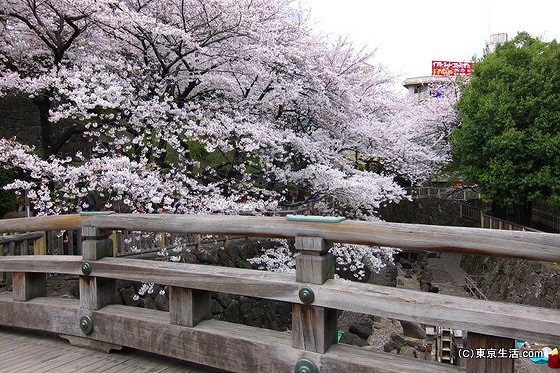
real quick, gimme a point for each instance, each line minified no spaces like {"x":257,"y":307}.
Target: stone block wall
{"x":20,"y":117}
{"x":516,"y":280}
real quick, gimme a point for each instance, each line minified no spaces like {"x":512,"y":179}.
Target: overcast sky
{"x":409,"y":34}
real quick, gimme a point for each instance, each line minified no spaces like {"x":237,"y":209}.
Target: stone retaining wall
{"x":515,"y":280}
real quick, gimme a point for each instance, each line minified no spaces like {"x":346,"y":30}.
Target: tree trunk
{"x":523,"y":212}
{"x":499,"y":211}
{"x":44,"y":106}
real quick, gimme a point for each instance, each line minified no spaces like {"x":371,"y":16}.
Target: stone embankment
{"x":387,"y":335}
{"x":515,"y":280}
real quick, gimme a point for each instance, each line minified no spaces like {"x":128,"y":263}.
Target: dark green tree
{"x":509,"y":139}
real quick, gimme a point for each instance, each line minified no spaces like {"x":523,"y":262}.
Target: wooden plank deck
{"x":26,"y":351}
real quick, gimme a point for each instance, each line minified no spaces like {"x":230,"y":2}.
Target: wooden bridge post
{"x":188,"y":307}
{"x":25,"y":285}
{"x":28,"y":285}
{"x":498,"y":364}
{"x":313,"y":328}
{"x":40,"y":245}
{"x":96,"y":292}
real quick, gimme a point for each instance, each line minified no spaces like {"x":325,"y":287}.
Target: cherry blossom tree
{"x":201,"y":106}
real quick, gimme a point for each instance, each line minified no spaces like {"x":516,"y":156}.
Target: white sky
{"x":409,"y":34}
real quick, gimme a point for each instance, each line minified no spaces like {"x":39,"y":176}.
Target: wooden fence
{"x":551,"y":221}
{"x":540,"y":217}
{"x":476,"y":214}
{"x":186,"y":331}
{"x":456,"y":193}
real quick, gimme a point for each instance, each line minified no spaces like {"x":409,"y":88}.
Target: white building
{"x":493,"y":41}
{"x":423,"y":87}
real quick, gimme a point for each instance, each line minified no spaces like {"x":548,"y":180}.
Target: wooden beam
{"x":212,"y":343}
{"x":313,"y":328}
{"x":314,"y":264}
{"x":97,"y":292}
{"x":20,"y":237}
{"x":42,"y":263}
{"x":515,"y":244}
{"x":487,"y":317}
{"x":96,"y":243}
{"x":40,"y":246}
{"x":49,"y":314}
{"x":314,"y":269}
{"x":43,"y":223}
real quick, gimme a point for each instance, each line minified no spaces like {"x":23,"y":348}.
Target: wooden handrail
{"x":515,"y":244}
{"x":20,"y":237}
{"x":496,"y":318}
{"x":313,"y":319}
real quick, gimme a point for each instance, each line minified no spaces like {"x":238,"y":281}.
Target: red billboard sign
{"x":451,"y":68}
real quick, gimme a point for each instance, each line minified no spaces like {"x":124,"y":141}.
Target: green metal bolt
{"x":86,"y":268}
{"x":306,"y":366}
{"x":306,"y":295}
{"x":86,"y":324}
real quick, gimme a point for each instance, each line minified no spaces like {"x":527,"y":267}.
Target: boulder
{"x":413,"y":330}
{"x":350,"y":338}
{"x":363,"y":328}
{"x":161,"y":301}
{"x":206,"y":256}
{"x":408,"y":351}
{"x":389,"y":346}
{"x":233,"y":312}
{"x":128,"y":296}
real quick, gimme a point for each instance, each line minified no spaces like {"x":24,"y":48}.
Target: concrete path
{"x":448,"y":276}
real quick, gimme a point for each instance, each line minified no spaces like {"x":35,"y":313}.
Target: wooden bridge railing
{"x":186,"y":331}
{"x":13,"y":244}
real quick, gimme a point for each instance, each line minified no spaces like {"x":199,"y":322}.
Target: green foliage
{"x":509,"y":140}
{"x":239,"y":262}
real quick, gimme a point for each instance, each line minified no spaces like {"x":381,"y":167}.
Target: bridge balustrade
{"x":96,"y":320}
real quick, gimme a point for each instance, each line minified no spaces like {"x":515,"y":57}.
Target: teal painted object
{"x":315,"y":218}
{"x":89,"y":213}
{"x":536,"y":360}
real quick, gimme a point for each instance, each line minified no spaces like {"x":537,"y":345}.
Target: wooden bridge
{"x":186,"y":332}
